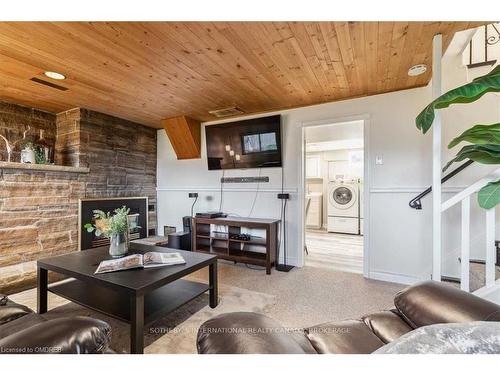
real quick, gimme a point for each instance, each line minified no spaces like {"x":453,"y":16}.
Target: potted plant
{"x":114,"y":227}
{"x":484,"y":140}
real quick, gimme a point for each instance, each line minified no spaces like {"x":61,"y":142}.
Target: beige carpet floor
{"x":309,"y":295}
{"x":300,"y":298}
{"x":173,"y":334}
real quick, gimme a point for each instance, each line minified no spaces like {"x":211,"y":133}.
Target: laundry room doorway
{"x":334,"y":196}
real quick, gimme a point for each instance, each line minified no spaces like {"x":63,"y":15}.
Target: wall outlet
{"x":379,"y":160}
{"x":283,"y":196}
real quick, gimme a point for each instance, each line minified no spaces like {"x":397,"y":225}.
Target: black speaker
{"x":186,"y":223}
{"x":180,"y":240}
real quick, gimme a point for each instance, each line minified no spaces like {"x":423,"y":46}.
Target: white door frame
{"x":366,"y":191}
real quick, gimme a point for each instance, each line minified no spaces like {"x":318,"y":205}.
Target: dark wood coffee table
{"x":138,"y":296}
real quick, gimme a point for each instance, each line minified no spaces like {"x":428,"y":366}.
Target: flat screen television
{"x":254,"y":143}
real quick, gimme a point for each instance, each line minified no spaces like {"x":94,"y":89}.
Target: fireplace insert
{"x":138,"y":217}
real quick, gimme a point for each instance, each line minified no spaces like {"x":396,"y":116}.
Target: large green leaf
{"x":479,"y":134}
{"x":489,"y":196}
{"x":464,"y":94}
{"x":484,"y":154}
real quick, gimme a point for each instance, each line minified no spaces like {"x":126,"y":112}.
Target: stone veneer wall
{"x":38,"y":218}
{"x":121,"y":154}
{"x":39,"y":209}
{"x":14,"y":120}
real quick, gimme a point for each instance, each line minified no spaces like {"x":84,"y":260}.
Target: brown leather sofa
{"x":416,"y":306}
{"x":24,"y":331}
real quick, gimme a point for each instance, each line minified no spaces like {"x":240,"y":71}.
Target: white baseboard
{"x":394,"y":278}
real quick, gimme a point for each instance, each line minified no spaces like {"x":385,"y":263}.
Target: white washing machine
{"x":343,"y":206}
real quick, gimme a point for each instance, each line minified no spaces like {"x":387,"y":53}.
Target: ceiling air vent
{"x":50,"y":84}
{"x":226,"y":112}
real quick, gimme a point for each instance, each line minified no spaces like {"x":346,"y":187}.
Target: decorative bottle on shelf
{"x":46,"y":150}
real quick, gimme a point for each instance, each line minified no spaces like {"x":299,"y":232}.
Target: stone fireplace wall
{"x":121,"y":154}
{"x":38,"y":218}
{"x":15,"y":119}
{"x":106,"y":156}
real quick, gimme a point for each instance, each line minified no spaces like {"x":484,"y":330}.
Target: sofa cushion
{"x":249,"y":333}
{"x":19,"y":324}
{"x":346,"y":337}
{"x":432,"y":302}
{"x":387,"y":325}
{"x":75,"y":335}
{"x":11,"y":311}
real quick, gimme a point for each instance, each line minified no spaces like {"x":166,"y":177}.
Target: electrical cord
{"x":256,"y":194}
{"x":233,"y":214}
{"x":255,"y":268}
{"x":281,"y":216}
{"x":284,"y":232}
{"x":192,"y":206}
{"x":221,"y":191}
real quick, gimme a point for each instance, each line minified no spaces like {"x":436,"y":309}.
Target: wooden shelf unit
{"x":205,"y":240}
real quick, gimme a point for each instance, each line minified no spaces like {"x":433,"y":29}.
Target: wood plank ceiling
{"x":148,"y":71}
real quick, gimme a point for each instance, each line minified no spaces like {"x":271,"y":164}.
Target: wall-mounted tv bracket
{"x":241,"y":180}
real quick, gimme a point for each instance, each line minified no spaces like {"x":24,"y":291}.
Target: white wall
{"x":400,"y":237}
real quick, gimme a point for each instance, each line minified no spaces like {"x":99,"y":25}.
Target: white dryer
{"x":343,"y":206}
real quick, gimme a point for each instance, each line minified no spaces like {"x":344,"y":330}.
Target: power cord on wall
{"x":192,"y":206}
{"x":221,"y":190}
{"x":284,"y":197}
{"x":256,"y":194}
{"x":280,"y":231}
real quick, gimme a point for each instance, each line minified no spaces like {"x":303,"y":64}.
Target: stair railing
{"x":416,"y":202}
{"x":464,"y":197}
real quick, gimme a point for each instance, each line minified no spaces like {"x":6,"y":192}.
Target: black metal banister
{"x":415,"y":202}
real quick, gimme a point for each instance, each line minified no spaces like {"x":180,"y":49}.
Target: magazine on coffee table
{"x":148,"y":260}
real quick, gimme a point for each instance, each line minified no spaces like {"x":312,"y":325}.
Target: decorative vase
{"x":118,"y":245}
{"x":28,"y":156}
{"x":46,"y":150}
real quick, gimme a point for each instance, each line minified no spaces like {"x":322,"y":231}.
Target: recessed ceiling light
{"x":416,"y":70}
{"x":55,"y":75}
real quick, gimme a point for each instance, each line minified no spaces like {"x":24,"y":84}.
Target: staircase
{"x":477,"y":276}
{"x":481,"y":278}
{"x":464,"y":199}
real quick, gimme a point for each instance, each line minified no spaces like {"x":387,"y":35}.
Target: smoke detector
{"x":417,"y":70}
{"x":226,"y":112}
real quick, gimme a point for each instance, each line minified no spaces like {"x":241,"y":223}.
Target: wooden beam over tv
{"x":185,"y":136}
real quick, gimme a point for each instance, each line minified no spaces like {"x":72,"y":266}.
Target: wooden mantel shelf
{"x":43,"y":167}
